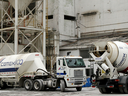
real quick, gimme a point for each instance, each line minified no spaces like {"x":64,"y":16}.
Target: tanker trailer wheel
{"x":28,"y":84}
{"x":43,"y":86}
{"x":105,"y":90}
{"x":3,"y":85}
{"x":38,"y":85}
{"x":62,"y":85}
{"x":78,"y":88}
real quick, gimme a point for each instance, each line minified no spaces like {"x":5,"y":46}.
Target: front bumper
{"x":76,"y":82}
{"x":106,"y":83}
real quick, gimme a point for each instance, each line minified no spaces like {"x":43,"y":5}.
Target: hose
{"x":47,"y":73}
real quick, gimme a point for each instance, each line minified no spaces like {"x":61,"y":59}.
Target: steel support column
{"x":16,"y":27}
{"x":44,"y":34}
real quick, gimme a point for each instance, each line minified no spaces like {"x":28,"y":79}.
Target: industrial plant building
{"x":58,"y":27}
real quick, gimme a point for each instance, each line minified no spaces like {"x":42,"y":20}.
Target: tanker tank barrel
{"x":115,"y":51}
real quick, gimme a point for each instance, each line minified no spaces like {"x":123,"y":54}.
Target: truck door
{"x":61,"y":67}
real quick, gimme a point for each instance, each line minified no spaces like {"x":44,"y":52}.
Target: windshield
{"x":75,"y":62}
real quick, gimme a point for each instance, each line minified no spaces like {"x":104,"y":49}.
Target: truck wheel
{"x":28,"y":84}
{"x":126,"y":89}
{"x":121,"y":90}
{"x":101,"y":90}
{"x":105,"y":90}
{"x":62,"y":85}
{"x":78,"y":88}
{"x":43,"y":86}
{"x":37,"y":85}
{"x":3,"y":85}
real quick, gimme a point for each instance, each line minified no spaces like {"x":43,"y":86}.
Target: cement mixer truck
{"x":111,"y":63}
{"x":29,"y":71}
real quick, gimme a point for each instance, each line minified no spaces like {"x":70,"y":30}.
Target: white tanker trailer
{"x":28,"y":71}
{"x":111,"y":59}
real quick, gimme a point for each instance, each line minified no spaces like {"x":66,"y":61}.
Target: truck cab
{"x":71,"y":72}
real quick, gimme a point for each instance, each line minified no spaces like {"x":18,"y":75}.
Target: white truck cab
{"x":71,"y":72}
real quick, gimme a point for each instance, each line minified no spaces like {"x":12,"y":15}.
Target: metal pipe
{"x":44,"y":33}
{"x":1,"y":21}
{"x":51,"y":65}
{"x":16,"y":26}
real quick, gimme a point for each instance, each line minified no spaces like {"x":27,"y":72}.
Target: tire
{"x":121,"y":90}
{"x":38,"y":85}
{"x":105,"y":90}
{"x":101,"y":90}
{"x":28,"y":84}
{"x":43,"y":86}
{"x":78,"y":88}
{"x":62,"y":85}
{"x":3,"y":85}
{"x":125,"y":89}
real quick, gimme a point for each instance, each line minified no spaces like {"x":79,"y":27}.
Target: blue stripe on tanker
{"x":9,"y":70}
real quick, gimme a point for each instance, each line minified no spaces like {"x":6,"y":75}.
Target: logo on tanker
{"x":98,"y":58}
{"x":123,"y":60}
{"x":11,"y":63}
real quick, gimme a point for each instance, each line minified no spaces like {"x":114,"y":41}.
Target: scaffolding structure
{"x":19,"y":25}
{"x":22,"y":32}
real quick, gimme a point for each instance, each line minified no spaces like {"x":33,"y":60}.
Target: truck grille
{"x":78,"y":73}
{"x":78,"y":83}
